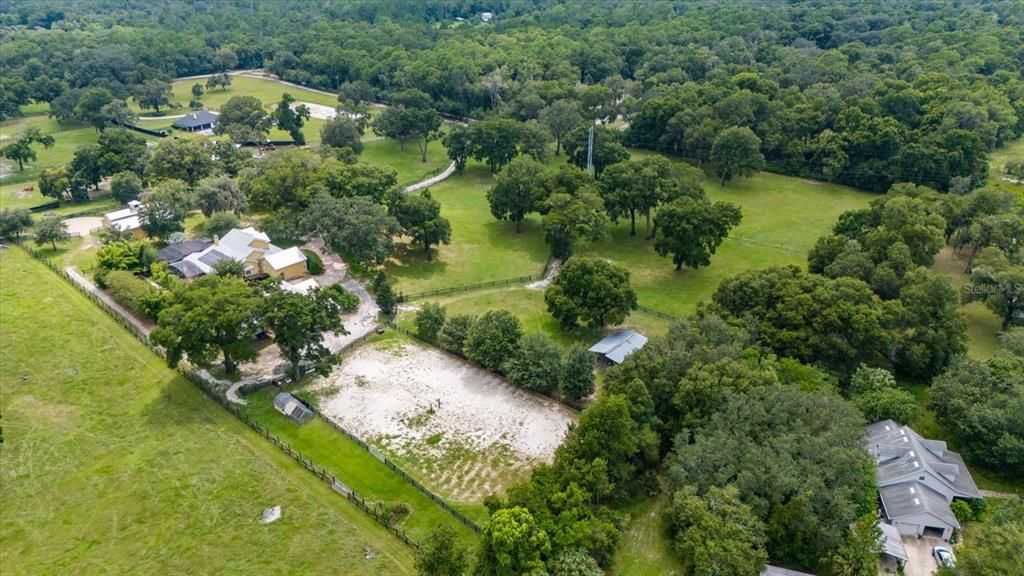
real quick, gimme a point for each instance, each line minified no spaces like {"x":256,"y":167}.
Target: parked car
{"x":944,"y":556}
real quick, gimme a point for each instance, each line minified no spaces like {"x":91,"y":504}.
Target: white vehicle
{"x":944,"y":556}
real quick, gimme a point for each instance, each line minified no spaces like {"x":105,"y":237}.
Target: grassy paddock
{"x":528,"y":305}
{"x":354,"y":466}
{"x":782,"y":218}
{"x":645,"y":547}
{"x":113,"y":463}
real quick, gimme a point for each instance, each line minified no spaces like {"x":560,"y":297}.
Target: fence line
{"x":465,"y":288}
{"x":662,"y":315}
{"x":210,"y":391}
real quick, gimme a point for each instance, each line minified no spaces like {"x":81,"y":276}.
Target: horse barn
{"x":197,"y":121}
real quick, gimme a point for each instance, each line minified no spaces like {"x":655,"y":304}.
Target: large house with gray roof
{"x":917,"y":479}
{"x":247,"y":246}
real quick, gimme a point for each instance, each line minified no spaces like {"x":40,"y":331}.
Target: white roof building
{"x":284,"y":258}
{"x":125,"y":219}
{"x":304,"y":287}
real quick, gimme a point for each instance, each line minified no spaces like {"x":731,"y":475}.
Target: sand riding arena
{"x":464,"y":431}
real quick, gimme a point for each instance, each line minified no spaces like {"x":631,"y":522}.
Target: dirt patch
{"x":322,"y":112}
{"x":84,"y":225}
{"x":466,"y":431}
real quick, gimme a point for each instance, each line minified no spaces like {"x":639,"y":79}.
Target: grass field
{"x":528,"y":305}
{"x":354,"y":466}
{"x":67,"y":139}
{"x":482,"y":248}
{"x":113,"y":464}
{"x":645,"y":546}
{"x":782,"y":218}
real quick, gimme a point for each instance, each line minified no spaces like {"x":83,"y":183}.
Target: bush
{"x":347,"y":300}
{"x":195,"y":104}
{"x":313,"y":262}
{"x":134,"y":293}
{"x":430,"y":321}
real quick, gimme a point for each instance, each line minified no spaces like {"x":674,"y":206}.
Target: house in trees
{"x":290,"y":406}
{"x":126,"y":220}
{"x":616,"y":346}
{"x":917,"y":479}
{"x":197,"y":121}
{"x":250,"y":248}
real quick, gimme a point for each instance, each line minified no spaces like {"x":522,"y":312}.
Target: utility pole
{"x":590,"y":150}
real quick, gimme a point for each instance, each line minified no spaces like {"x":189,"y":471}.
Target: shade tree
{"x":299,"y":323}
{"x":517,"y":190}
{"x":592,"y":291}
{"x":244,"y":119}
{"x":419,"y":215}
{"x":691,"y":230}
{"x":212,"y":318}
{"x":50,"y":230}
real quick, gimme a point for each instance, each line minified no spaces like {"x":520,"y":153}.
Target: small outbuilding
{"x":196,"y":121}
{"x":894,"y":555}
{"x":291,"y":407}
{"x":616,"y":346}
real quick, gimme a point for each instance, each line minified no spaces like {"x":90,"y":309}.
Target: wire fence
{"x":465,"y":288}
{"x":655,"y":313}
{"x":213,"y":392}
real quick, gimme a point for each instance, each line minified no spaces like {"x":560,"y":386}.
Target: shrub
{"x":343,"y":298}
{"x":313,"y":262}
{"x":195,"y":104}
{"x":430,"y":321}
{"x":134,"y":293}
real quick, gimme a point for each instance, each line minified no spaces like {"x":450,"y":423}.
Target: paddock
{"x":466,"y":432}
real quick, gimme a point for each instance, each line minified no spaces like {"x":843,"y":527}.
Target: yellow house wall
{"x":289,"y":272}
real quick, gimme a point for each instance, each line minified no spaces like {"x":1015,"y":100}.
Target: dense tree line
{"x":865,"y":93}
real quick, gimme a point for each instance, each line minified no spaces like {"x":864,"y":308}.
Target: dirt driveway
{"x":919,"y":552}
{"x":83,"y":226}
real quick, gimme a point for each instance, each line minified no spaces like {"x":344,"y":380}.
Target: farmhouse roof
{"x":177,"y":251}
{"x":892,"y":542}
{"x":618,"y":345}
{"x":188,"y":268}
{"x":902,"y":454}
{"x":196,"y":119}
{"x":284,"y":258}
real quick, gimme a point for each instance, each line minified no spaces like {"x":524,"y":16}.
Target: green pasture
{"x":114,"y":464}
{"x":353,"y":465}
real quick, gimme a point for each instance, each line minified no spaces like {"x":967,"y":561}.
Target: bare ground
{"x":484,"y":436}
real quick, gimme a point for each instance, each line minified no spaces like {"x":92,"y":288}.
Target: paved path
{"x":432,"y":180}
{"x":994,"y":494}
{"x":144,"y":327}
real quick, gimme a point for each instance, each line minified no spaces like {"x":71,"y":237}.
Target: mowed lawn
{"x":67,"y":139}
{"x":113,"y":464}
{"x":481,"y":249}
{"x":529,"y":307}
{"x":782,"y":218}
{"x":357,"y":468}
